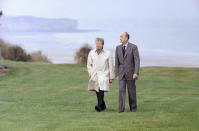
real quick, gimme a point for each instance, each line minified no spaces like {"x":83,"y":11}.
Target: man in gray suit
{"x":127,"y":65}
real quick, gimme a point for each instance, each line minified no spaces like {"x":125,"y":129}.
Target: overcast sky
{"x":104,"y":9}
{"x":154,"y":24}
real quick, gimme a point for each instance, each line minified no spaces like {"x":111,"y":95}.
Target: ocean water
{"x":159,"y":46}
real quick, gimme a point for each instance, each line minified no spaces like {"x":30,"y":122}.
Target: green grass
{"x":47,"y":97}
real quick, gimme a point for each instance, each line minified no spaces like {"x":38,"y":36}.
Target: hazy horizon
{"x":164,"y":30}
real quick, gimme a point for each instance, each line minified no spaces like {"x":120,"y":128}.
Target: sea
{"x":175,"y":45}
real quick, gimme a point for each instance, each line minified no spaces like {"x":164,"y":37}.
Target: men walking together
{"x":101,"y":72}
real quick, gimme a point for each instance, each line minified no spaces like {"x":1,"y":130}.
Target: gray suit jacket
{"x":129,"y":64}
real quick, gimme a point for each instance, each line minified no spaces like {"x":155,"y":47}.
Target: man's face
{"x":99,"y":45}
{"x":123,"y":38}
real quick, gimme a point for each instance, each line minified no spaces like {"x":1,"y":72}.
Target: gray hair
{"x":100,"y":40}
{"x":127,"y":35}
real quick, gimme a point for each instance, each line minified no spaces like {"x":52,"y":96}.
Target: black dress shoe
{"x":134,"y":110}
{"x":97,"y":108}
{"x":103,"y":107}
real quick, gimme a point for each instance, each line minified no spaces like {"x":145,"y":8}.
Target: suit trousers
{"x":131,"y":94}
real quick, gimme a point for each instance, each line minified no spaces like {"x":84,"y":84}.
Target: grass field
{"x":47,"y":97}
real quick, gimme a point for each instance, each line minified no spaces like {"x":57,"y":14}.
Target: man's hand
{"x":118,"y":78}
{"x":111,"y":80}
{"x":135,"y":76}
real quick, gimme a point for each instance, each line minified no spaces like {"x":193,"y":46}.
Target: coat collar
{"x":100,"y":52}
{"x":127,"y":49}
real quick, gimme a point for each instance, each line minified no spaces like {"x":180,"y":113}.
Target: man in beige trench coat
{"x":101,"y":72}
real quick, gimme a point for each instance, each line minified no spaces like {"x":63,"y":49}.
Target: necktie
{"x":123,"y":50}
{"x":98,"y":51}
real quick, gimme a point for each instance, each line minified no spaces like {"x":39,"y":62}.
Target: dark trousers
{"x":131,"y":94}
{"x":100,"y":98}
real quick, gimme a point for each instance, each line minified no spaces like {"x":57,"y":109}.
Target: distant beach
{"x":61,"y":47}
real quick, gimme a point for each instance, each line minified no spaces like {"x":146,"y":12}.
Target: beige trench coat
{"x":100,"y":70}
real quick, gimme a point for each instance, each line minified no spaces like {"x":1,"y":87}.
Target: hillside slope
{"x":35,"y":96}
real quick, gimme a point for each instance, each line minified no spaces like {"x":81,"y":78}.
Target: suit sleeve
{"x":136,"y":60}
{"x":111,"y":68}
{"x":116,"y":62}
{"x":89,"y":64}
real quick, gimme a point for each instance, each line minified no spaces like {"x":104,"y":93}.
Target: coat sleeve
{"x":89,"y":64}
{"x":116,"y":62}
{"x":136,"y":60}
{"x":111,"y":68}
